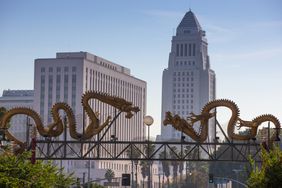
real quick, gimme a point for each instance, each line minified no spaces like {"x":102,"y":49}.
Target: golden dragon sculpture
{"x":57,"y":127}
{"x":208,"y":111}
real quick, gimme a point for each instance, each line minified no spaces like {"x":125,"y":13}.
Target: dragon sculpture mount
{"x":56,"y":128}
{"x":208,"y":112}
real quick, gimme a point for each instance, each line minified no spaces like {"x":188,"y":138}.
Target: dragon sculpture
{"x":208,"y":111}
{"x":57,"y":127}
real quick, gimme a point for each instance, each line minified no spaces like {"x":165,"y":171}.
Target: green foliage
{"x":165,"y":164}
{"x":18,"y":171}
{"x":270,"y":173}
{"x":174,"y":163}
{"x":144,"y":169}
{"x":133,"y":152}
{"x":149,"y":149}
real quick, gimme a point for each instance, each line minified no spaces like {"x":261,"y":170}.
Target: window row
{"x":180,"y":63}
{"x":175,"y":96}
{"x":183,"y":90}
{"x":183,"y":113}
{"x":182,"y":101}
{"x":186,"y":49}
{"x":109,"y":66}
{"x":182,"y":85}
{"x":182,"y":107}
{"x":58,"y":69}
{"x":188,"y":73}
{"x":183,"y":79}
{"x":108,"y":78}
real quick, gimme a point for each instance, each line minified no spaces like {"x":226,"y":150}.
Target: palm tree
{"x":173,"y":154}
{"x":109,"y":175}
{"x":149,"y":149}
{"x":181,"y":167}
{"x":188,"y":164}
{"x":165,"y":165}
{"x":134,"y":153}
{"x":144,"y":170}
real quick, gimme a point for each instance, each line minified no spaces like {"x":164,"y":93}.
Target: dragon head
{"x":168,"y":118}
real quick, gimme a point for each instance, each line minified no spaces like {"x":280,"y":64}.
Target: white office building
{"x":67,"y":76}
{"x":188,"y":83}
{"x":19,"y":123}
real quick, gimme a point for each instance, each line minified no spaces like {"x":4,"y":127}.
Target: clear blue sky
{"x":245,"y":43}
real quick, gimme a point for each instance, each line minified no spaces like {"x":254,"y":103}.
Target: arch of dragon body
{"x":92,"y":144}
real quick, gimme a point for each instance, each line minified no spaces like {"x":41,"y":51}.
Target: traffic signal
{"x":125,"y":180}
{"x":210,"y":178}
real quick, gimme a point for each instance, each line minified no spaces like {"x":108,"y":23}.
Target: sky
{"x":245,"y":43}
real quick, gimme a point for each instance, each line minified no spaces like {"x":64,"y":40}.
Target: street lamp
{"x":148,"y":120}
{"x":237,"y":171}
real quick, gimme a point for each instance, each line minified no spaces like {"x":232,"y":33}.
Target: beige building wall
{"x":66,"y":77}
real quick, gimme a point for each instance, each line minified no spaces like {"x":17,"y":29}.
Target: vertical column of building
{"x":42,"y":92}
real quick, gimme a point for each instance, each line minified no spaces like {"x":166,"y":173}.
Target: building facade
{"x":188,"y":83}
{"x":19,"y":123}
{"x":65,"y":79}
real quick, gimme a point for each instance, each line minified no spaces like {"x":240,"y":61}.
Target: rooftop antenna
{"x":189,"y":2}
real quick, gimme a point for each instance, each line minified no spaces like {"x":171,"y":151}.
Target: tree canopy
{"x":18,"y":171}
{"x":270,"y":172}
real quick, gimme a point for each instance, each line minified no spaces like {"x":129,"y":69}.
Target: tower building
{"x":188,"y":83}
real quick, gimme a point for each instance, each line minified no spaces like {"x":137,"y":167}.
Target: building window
{"x":190,"y":49}
{"x":42,"y":96}
{"x":73,"y":69}
{"x":185,"y":50}
{"x":50,"y":92}
{"x":66,"y":82}
{"x":73,"y":104}
{"x":42,"y":69}
{"x":177,"y":49}
{"x":58,"y":87}
{"x":181,"y":49}
{"x":194,"y":49}
{"x":66,"y":69}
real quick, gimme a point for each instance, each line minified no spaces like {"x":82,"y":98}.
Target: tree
{"x":165,"y":165}
{"x":18,"y":171}
{"x":134,"y":153}
{"x":149,"y":149}
{"x":270,"y":173}
{"x":174,"y":163}
{"x":109,"y":175}
{"x":229,"y":169}
{"x":144,"y":170}
{"x":181,"y":167}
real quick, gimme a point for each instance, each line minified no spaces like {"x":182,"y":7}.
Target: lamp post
{"x":237,"y":171}
{"x":148,"y":120}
